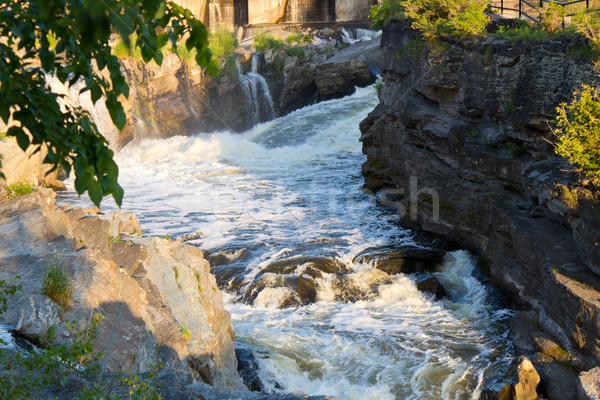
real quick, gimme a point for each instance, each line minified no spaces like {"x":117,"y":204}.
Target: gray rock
{"x":588,"y":385}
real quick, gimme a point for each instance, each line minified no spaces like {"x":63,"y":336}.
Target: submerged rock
{"x":406,"y":260}
{"x":432,"y":285}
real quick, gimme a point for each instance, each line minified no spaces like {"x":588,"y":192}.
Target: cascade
{"x":256,"y":94}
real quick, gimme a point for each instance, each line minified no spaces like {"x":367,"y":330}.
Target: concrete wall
{"x":353,"y":10}
{"x":240,"y":12}
{"x":266,"y":11}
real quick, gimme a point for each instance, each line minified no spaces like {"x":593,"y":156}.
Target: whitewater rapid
{"x":293,"y":187}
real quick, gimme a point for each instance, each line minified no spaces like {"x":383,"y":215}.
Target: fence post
{"x":587,"y":3}
{"x":501,"y":6}
{"x":520,"y":9}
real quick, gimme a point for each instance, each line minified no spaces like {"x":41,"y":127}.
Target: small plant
{"x":185,"y":54}
{"x":18,"y":189}
{"x":552,"y":17}
{"x":264,"y":41}
{"x":278,"y":63}
{"x":231,"y":67}
{"x":186,"y":334}
{"x":296,"y":52}
{"x":58,"y":284}
{"x":176,"y":271}
{"x":472,"y":133}
{"x":168,"y":236}
{"x":4,"y":136}
{"x":200,"y":288}
{"x":513,"y":148}
{"x":112,"y":240}
{"x":221,"y":42}
{"x":379,"y":84}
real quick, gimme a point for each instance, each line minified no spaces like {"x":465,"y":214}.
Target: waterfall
{"x":257,"y":95}
{"x":359,"y":35}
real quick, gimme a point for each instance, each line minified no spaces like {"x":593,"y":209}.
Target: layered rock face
{"x":148,"y":289}
{"x":461,"y":133}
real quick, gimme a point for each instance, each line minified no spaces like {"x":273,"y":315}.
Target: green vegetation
{"x":264,"y":41}
{"x":298,"y":37}
{"x":296,"y":52}
{"x":80,"y":32}
{"x":18,"y":189}
{"x":434,"y":18}
{"x":231,"y":67}
{"x":579,"y":131}
{"x":123,"y":49}
{"x":4,"y":136}
{"x":186,"y":334}
{"x":513,"y":148}
{"x":222,"y":42}
{"x":58,"y":284}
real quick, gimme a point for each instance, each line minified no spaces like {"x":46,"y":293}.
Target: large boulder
{"x":148,"y":289}
{"x":520,"y":382}
{"x":588,"y":385}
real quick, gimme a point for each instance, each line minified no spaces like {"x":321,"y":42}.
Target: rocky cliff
{"x":146,"y":288}
{"x":461,"y":133}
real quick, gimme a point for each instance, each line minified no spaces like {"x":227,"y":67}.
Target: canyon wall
{"x":461,"y":135}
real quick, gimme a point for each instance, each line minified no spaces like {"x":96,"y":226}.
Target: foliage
{"x":513,"y":148}
{"x":264,"y":41}
{"x":460,"y":18}
{"x":299,"y":37}
{"x":579,"y":131}
{"x":82,"y":30}
{"x":19,"y":189}
{"x":23,"y":374}
{"x":231,"y":67}
{"x":222,"y":42}
{"x":379,"y":84}
{"x":296,"y":52}
{"x":186,"y":334}
{"x":587,"y":24}
{"x":552,"y":17}
{"x":123,"y":50}
{"x":3,"y":136}
{"x":58,"y":284}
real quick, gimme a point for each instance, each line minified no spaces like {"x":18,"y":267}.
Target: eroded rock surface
{"x":463,"y":133}
{"x":146,"y":288}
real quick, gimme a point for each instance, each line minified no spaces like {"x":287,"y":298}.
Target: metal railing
{"x":532,"y":9}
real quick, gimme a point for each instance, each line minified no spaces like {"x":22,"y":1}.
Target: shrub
{"x":121,"y":50}
{"x":579,"y":131}
{"x":221,"y":42}
{"x":186,"y":334}
{"x":18,"y":189}
{"x":587,"y":24}
{"x":231,"y":67}
{"x":461,"y":18}
{"x":264,"y":41}
{"x":296,"y":52}
{"x":185,"y":54}
{"x":58,"y":285}
{"x":3,"y":136}
{"x":552,"y":17}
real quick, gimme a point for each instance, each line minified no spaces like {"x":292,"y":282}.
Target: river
{"x":292,"y":187}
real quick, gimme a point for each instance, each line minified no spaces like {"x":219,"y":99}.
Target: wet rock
{"x":291,"y":265}
{"x":57,"y":185}
{"x":247,"y":368}
{"x":307,"y":289}
{"x":33,"y":315}
{"x":520,"y":382}
{"x":227,"y":256}
{"x":338,"y":79}
{"x":588,"y":385}
{"x":432,"y":285}
{"x":404,"y":260}
{"x":346,"y":290}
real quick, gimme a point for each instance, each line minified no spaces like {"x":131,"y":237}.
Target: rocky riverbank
{"x":461,"y":129}
{"x":158,"y":300}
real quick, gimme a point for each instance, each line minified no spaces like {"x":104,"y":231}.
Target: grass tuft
{"x":58,"y":285}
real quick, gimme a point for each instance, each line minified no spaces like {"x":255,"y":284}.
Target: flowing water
{"x":290,"y":189}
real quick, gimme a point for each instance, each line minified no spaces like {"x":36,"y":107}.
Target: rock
{"x":247,"y":368}
{"x":519,"y":383}
{"x":227,"y":256}
{"x":588,"y":385}
{"x":432,"y":285}
{"x":450,"y":134}
{"x":57,"y":185}
{"x":146,"y":288}
{"x":307,"y":289}
{"x":338,"y":79}
{"x":406,"y":260}
{"x":19,"y":166}
{"x":299,"y":264}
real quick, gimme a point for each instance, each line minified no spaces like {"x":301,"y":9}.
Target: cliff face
{"x":462,"y":130}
